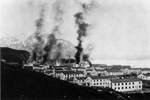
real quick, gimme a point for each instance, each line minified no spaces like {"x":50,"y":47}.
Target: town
{"x":121,"y":78}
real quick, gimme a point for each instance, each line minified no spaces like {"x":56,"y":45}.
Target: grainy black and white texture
{"x":117,"y":32}
{"x":82,"y":32}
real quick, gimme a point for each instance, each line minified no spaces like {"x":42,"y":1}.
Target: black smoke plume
{"x":82,"y":32}
{"x":49,"y":46}
{"x":87,"y":7}
{"x":52,"y":49}
{"x":86,"y":58}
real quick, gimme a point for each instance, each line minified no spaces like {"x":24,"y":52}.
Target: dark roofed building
{"x":145,"y":70}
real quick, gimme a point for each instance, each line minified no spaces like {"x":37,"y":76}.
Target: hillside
{"x":24,"y":85}
{"x":12,"y":55}
{"x":21,"y":84}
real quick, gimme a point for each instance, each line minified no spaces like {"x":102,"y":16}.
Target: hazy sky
{"x":119,"y":30}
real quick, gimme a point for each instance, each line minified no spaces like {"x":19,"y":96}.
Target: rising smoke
{"x":82,"y":32}
{"x":51,"y":50}
{"x":37,"y":47}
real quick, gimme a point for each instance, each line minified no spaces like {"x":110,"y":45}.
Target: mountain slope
{"x":12,"y":55}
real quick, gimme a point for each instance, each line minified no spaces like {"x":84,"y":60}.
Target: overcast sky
{"x":119,"y":30}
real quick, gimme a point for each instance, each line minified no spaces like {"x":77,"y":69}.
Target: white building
{"x":123,"y":85}
{"x":65,"y":75}
{"x":144,"y":76}
{"x":98,"y":81}
{"x":78,"y":69}
{"x":101,"y":71}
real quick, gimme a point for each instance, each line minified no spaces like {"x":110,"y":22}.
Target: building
{"x":91,"y":71}
{"x":101,"y":71}
{"x":98,"y":81}
{"x":38,"y":69}
{"x":125,"y":70}
{"x":114,"y":82}
{"x":69,"y":64}
{"x":58,"y":73}
{"x":80,"y":80}
{"x":123,"y":85}
{"x":144,"y":76}
{"x":49,"y":72}
{"x":63,"y":68}
{"x":78,"y":69}
{"x":100,"y":66}
{"x":145,"y":70}
{"x":65,"y":75}
{"x":114,"y":72}
{"x":133,"y":70}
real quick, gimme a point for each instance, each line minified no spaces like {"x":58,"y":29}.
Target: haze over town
{"x":119,"y":30}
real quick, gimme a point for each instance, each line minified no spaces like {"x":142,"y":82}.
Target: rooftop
{"x":147,"y":74}
{"x":70,"y":72}
{"x":89,"y":69}
{"x":145,"y":69}
{"x":103,"y":77}
{"x":99,"y":65}
{"x":70,"y":79}
{"x":135,"y":69}
{"x":100,"y":69}
{"x":113,"y":70}
{"x":77,"y":68}
{"x":125,"y":80}
{"x":80,"y":78}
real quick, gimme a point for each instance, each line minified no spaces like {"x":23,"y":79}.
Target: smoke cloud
{"x":52,"y":49}
{"x":82,"y":30}
{"x":119,"y":26}
{"x":37,"y":47}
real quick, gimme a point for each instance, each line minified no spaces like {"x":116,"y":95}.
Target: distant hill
{"x":68,"y":49}
{"x":12,"y":55}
